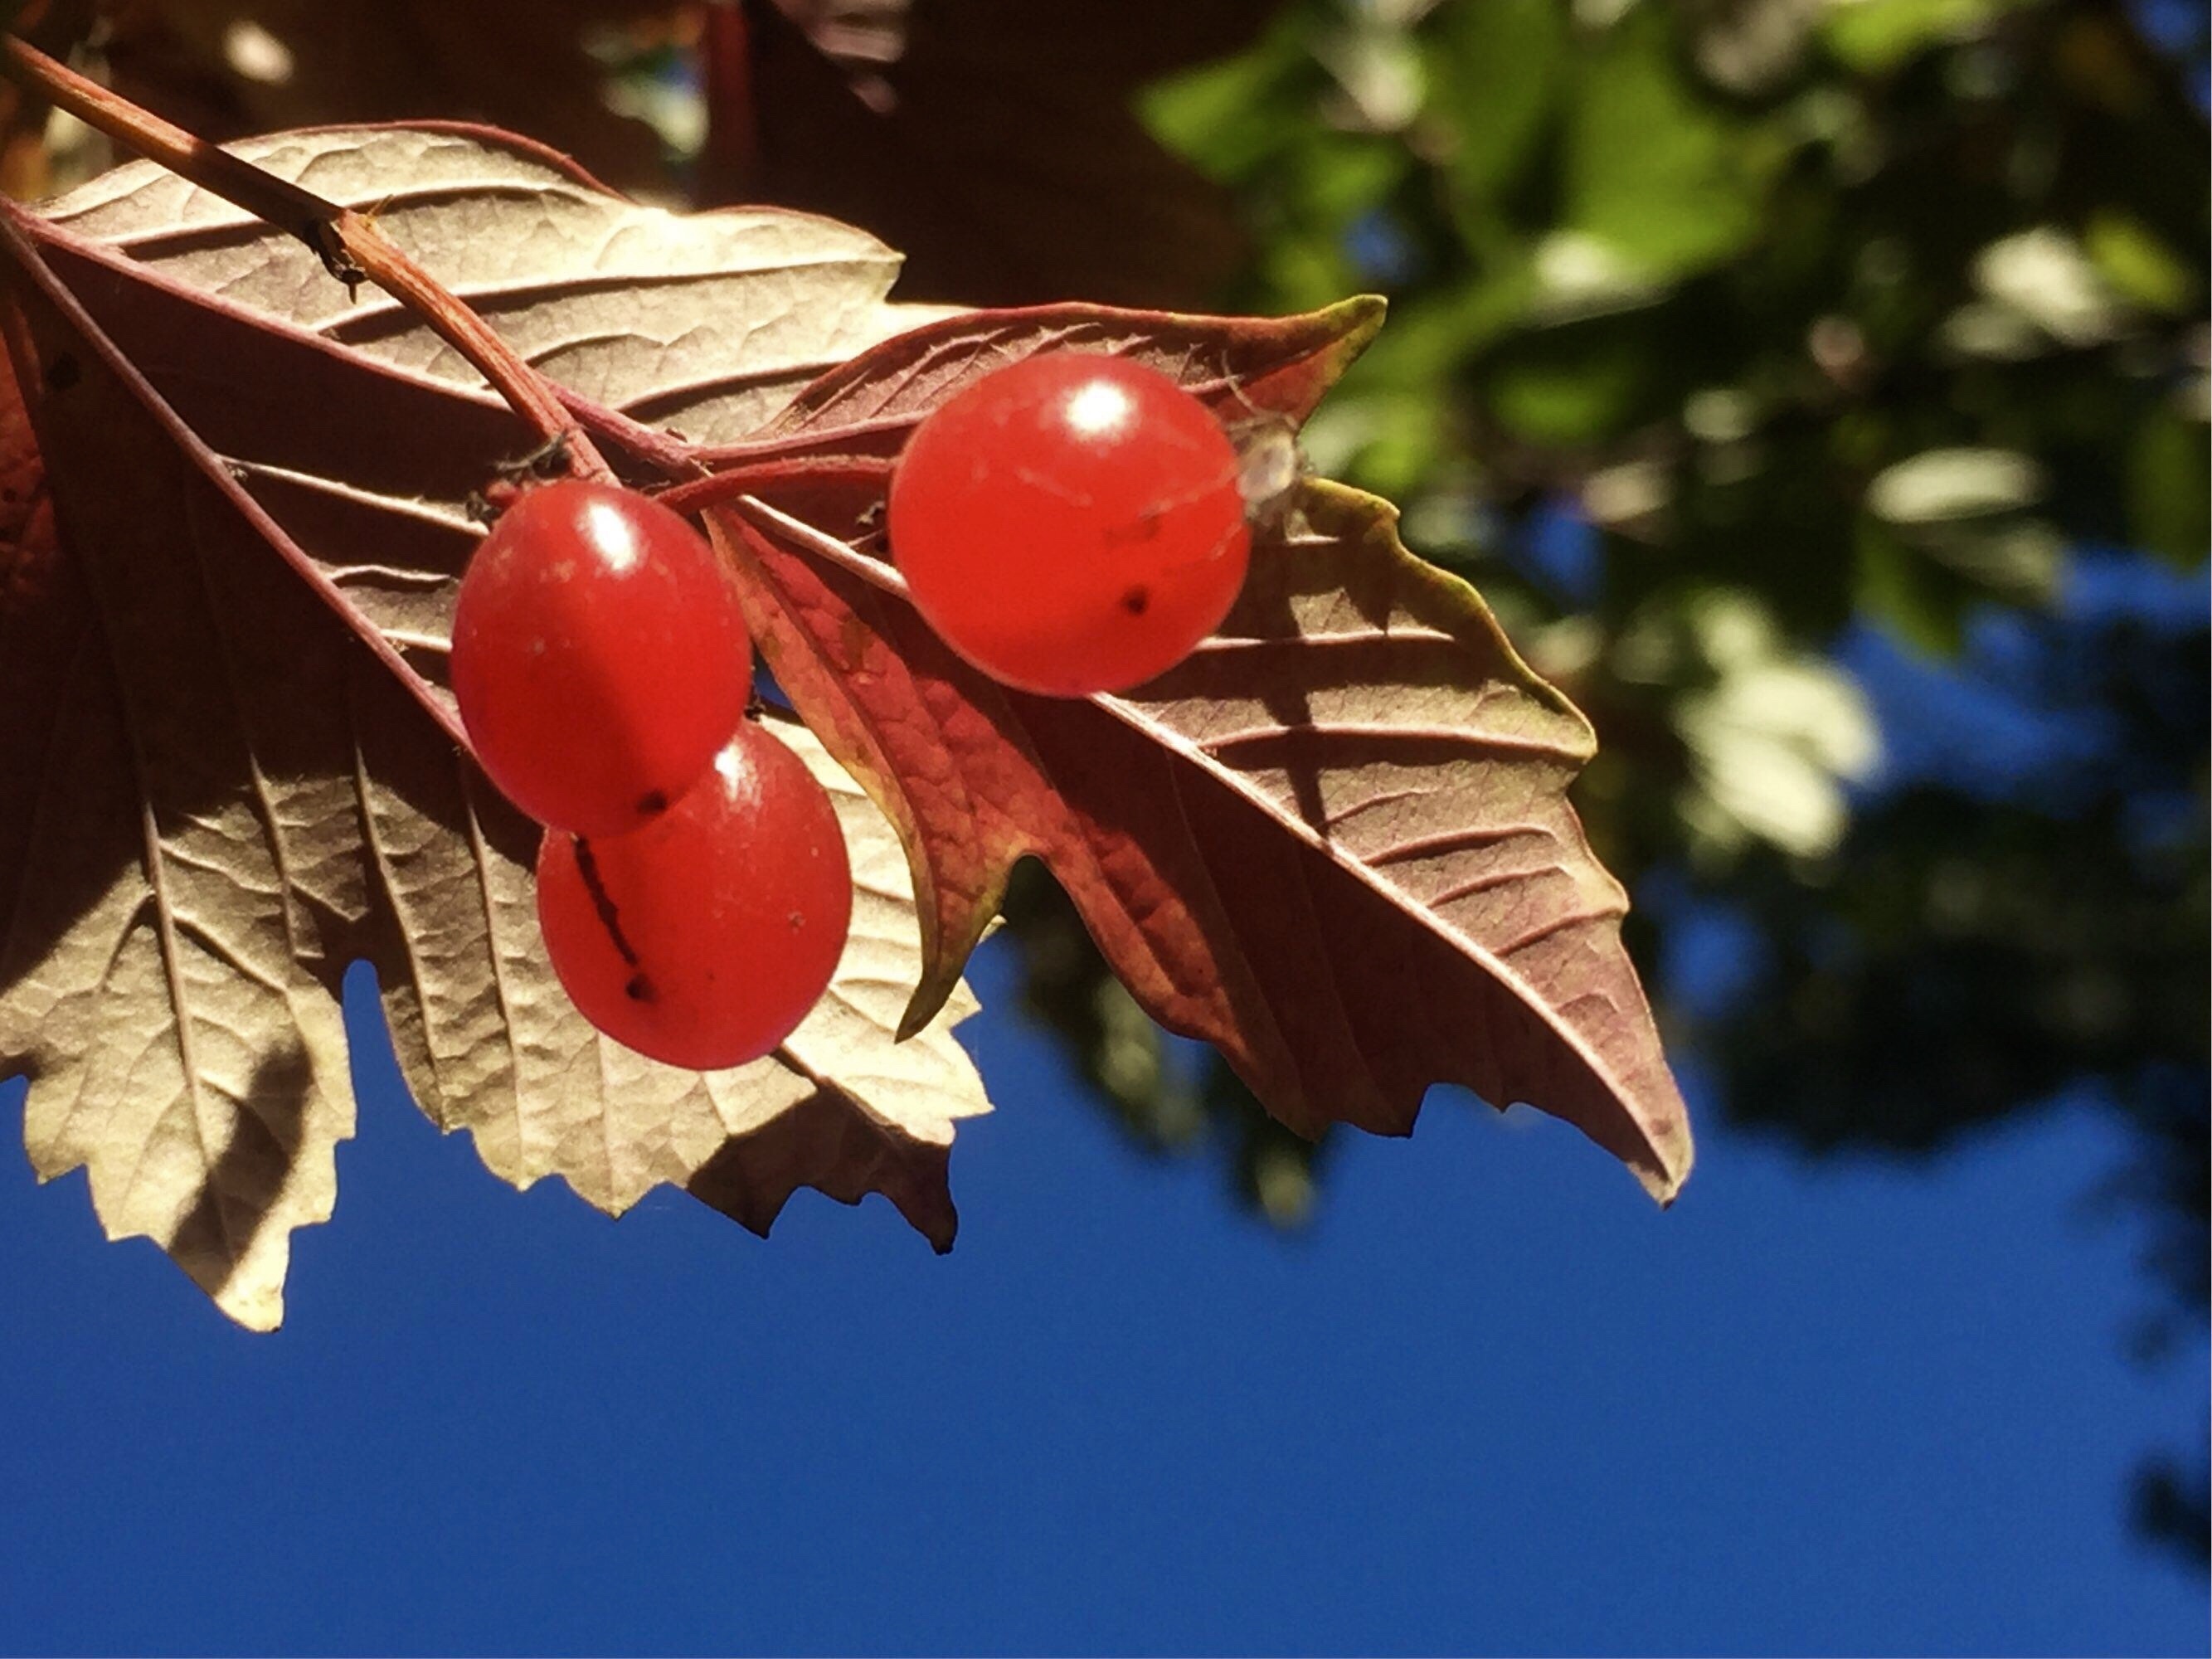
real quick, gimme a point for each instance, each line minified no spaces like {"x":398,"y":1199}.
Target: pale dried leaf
{"x":182,"y":1056}
{"x":702,"y":323}
{"x":923,"y":1084}
{"x":270,"y":524}
{"x":492,"y":1045}
{"x":166,"y":983}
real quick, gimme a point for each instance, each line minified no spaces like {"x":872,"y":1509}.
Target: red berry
{"x":599,"y":656}
{"x":1070,"y":523}
{"x":703,"y":939}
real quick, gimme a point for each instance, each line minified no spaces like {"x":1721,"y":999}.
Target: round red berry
{"x":600,"y":657}
{"x":1070,"y":523}
{"x":703,"y":939}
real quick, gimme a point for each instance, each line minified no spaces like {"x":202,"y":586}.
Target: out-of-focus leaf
{"x":1878,"y":35}
{"x":239,"y":768}
{"x":1229,"y":118}
{"x":1494,"y":72}
{"x":2043,"y":276}
{"x":2019,"y":559}
{"x":1922,"y":604}
{"x":1572,"y":384}
{"x":2169,"y":488}
{"x":1986,"y":232}
{"x":1945,"y":484}
{"x":1753,"y":47}
{"x":1662,"y":178}
{"x":863,"y":36}
{"x":1774,"y":737}
{"x":2129,"y":257}
{"x":1967,"y":508}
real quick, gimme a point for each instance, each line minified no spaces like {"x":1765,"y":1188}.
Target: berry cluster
{"x":692,"y":884}
{"x":1070,"y":523}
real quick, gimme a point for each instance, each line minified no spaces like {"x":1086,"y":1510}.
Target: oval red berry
{"x":600,"y":657}
{"x":703,"y":939}
{"x":1070,"y":523}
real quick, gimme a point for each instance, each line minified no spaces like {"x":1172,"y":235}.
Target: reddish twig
{"x":349,"y":244}
{"x":720,"y":487}
{"x":842,"y":556}
{"x":670,"y":456}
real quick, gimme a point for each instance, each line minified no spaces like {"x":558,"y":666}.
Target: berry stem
{"x":669,"y":456}
{"x":831,"y":551}
{"x":744,"y":478}
{"x":349,"y":244}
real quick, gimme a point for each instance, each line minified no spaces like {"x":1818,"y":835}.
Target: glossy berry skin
{"x":1070,"y":523}
{"x":599,"y":656}
{"x":703,"y":939}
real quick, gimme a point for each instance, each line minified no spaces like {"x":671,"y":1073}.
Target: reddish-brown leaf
{"x":1335,"y":843}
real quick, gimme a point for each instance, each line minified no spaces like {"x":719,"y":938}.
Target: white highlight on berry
{"x":615,"y":536}
{"x":1099,"y":409}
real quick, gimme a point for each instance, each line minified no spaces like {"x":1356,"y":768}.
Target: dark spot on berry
{"x":63,"y":373}
{"x":652,"y":804}
{"x":640,"y":989}
{"x":797,"y":921}
{"x":1136,"y":601}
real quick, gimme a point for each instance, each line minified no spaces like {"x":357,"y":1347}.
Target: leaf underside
{"x":1336,"y":842}
{"x":232,"y":766}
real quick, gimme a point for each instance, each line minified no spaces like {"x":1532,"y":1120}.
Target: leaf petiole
{"x":350,"y":246}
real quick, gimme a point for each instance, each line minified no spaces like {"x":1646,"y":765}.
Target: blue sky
{"x":1494,"y":1401}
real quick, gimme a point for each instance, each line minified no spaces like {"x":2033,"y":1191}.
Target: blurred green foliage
{"x":1722,"y":332}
